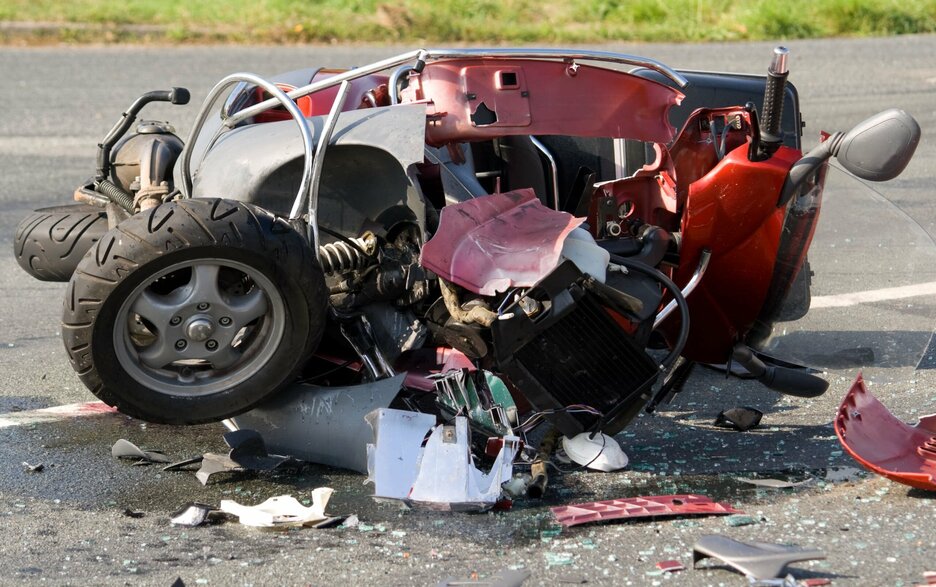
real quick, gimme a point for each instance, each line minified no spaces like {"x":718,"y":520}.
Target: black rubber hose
{"x":115,"y":194}
{"x":658,"y":275}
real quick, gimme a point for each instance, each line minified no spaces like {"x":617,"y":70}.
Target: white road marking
{"x":875,"y":295}
{"x":54,"y":414}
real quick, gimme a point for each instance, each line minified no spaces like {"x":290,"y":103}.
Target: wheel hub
{"x":199,"y":328}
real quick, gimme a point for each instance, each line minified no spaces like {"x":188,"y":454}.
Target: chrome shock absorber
{"x":341,"y":256}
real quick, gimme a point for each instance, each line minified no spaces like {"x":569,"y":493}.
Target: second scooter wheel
{"x":50,"y":242}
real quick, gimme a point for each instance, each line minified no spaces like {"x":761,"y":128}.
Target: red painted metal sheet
{"x":478,"y":99}
{"x":884,"y":444}
{"x":731,"y":212}
{"x":640,"y":507}
{"x":498,"y":241}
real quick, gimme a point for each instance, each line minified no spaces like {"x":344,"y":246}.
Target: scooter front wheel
{"x":194,"y":311}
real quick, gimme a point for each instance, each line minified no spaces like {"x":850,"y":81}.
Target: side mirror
{"x":879,"y":148}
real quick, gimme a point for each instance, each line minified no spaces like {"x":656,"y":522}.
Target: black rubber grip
{"x":773,"y":105}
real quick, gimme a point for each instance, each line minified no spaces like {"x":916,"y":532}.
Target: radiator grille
{"x":586,"y":358}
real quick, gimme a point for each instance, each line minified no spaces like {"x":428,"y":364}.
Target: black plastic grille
{"x":586,"y":358}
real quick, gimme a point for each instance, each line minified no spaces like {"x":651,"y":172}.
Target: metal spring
{"x":339,"y":256}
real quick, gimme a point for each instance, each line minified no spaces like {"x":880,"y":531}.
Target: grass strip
{"x":456,"y":21}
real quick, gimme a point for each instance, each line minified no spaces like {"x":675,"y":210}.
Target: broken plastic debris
{"x":740,"y":419}
{"x":248,"y":453}
{"x":37,"y":468}
{"x":884,"y":444}
{"x":494,"y":242}
{"x":442,"y":474}
{"x":124,"y":449}
{"x":393,"y":458}
{"x":518,"y":485}
{"x":447,"y":479}
{"x":192,"y":514}
{"x":602,"y":453}
{"x":735,"y":520}
{"x":283,"y":510}
{"x":670,"y":566}
{"x":640,"y":507}
{"x":322,"y":424}
{"x":776,"y":483}
{"x":755,"y":559}
{"x":504,"y":578}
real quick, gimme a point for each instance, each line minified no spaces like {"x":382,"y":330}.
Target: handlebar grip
{"x":774,"y":94}
{"x":179,"y":96}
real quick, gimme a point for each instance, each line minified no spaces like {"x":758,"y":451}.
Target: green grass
{"x":461,"y":21}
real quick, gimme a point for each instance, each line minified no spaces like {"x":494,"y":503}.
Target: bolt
{"x":180,"y":344}
{"x":211,"y":345}
{"x":202,"y":306}
{"x":175,"y":321}
{"x":225,"y":321}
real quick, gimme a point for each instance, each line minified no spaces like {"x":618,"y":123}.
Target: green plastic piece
{"x":458,"y":392}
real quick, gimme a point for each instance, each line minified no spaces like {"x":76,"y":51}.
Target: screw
{"x":211,"y":345}
{"x":202,"y":306}
{"x":225,"y":321}
{"x":175,"y":321}
{"x":180,"y":344}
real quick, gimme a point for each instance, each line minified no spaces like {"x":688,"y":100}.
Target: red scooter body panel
{"x":476,"y":99}
{"x":731,"y":212}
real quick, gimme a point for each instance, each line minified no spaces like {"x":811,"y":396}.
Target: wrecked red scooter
{"x":522,"y":232}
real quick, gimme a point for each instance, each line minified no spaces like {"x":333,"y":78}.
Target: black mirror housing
{"x":879,"y":148}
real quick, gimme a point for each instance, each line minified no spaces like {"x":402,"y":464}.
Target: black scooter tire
{"x":157,"y":249}
{"x":50,"y":242}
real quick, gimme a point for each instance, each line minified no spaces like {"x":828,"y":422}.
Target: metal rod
{"x":553,"y":169}
{"x":693,"y":282}
{"x":279,"y":97}
{"x":395,"y":81}
{"x":334,"y":80}
{"x":318,"y":161}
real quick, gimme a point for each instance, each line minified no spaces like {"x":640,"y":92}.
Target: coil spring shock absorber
{"x":350,"y":255}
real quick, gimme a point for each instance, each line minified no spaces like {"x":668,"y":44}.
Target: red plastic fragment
{"x":670,"y":566}
{"x":498,"y":241}
{"x":640,"y":507}
{"x":815,"y":582}
{"x":884,"y":444}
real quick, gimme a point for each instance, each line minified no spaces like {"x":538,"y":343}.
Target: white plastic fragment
{"x":393,"y":458}
{"x":442,"y":474}
{"x":602,"y":453}
{"x":448,"y":479}
{"x":283,"y":510}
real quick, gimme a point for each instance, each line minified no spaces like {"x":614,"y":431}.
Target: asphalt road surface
{"x":68,"y":524}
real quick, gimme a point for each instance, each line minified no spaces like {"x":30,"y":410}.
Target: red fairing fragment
{"x":496,"y":242}
{"x":640,"y":507}
{"x":884,"y":444}
{"x":476,"y":100}
{"x":670,"y":566}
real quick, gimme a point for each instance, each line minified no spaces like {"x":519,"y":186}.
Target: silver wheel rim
{"x":199,"y":327}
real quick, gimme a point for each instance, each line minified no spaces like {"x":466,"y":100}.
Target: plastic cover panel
{"x":640,"y":507}
{"x":884,"y":444}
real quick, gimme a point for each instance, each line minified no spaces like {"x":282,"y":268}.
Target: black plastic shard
{"x":759,"y":560}
{"x":124,"y":449}
{"x":740,"y":419}
{"x":248,"y":453}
